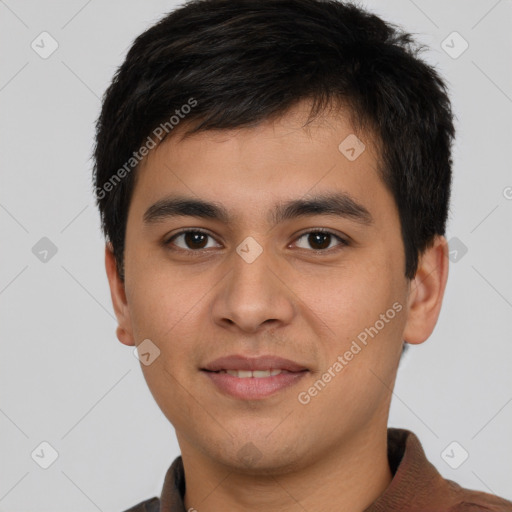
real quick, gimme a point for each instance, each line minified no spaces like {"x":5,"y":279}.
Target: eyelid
{"x":343,"y":241}
{"x":320,"y":230}
{"x":169,"y":239}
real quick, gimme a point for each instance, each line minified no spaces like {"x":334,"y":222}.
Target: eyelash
{"x":342,"y":242}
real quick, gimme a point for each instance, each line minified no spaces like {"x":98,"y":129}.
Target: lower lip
{"x":253,"y":388}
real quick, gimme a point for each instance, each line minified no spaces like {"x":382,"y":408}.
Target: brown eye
{"x":190,"y":240}
{"x":320,"y":240}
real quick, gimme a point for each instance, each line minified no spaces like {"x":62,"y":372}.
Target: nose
{"x":254,"y":295}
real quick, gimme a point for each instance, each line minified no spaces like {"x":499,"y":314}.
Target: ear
{"x":427,"y":291}
{"x":117,"y":292}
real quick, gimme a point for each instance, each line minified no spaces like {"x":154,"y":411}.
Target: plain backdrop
{"x":65,"y":378}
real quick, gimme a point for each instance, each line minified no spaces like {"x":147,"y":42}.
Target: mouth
{"x":240,"y":363}
{"x":257,"y":374}
{"x":253,"y":378}
{"x":253,"y":385}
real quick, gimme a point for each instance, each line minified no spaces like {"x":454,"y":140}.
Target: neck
{"x":348,"y":478}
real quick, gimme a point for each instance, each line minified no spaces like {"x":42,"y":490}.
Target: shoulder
{"x":467,"y":500}
{"x":417,"y":486}
{"x":151,"y":505}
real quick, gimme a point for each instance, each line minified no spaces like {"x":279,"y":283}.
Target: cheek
{"x":161,"y":300}
{"x":345,"y":300}
{"x":352,"y":310}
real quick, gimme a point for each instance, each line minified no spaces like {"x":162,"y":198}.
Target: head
{"x":273,"y":120}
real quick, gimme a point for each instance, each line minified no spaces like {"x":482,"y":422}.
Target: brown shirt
{"x":416,"y":486}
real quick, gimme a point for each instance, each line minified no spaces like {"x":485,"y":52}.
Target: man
{"x":273,"y":178}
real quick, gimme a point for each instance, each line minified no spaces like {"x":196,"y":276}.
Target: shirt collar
{"x":416,"y":482}
{"x":414,"y":478}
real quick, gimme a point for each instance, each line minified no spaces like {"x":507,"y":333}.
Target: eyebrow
{"x":338,"y":204}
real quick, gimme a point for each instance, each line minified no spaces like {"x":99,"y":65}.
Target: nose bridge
{"x":252,"y":293}
{"x":251,"y":274}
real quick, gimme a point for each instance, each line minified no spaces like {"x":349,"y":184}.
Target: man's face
{"x":288,"y":291}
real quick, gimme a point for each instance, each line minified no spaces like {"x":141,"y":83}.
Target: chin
{"x":258,"y":457}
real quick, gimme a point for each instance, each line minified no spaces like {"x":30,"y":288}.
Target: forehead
{"x":250,"y":170}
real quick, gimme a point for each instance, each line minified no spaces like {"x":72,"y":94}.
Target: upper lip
{"x":239,"y":362}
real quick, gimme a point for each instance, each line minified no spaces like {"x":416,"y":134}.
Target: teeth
{"x":244,"y":374}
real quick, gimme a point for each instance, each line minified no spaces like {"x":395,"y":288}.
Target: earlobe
{"x":117,"y":292}
{"x":427,"y":292}
{"x":124,"y":337}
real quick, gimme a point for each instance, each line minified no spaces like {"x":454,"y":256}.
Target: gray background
{"x":67,"y":380}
